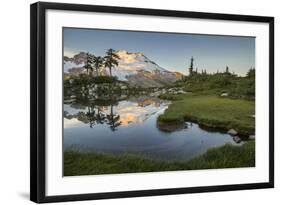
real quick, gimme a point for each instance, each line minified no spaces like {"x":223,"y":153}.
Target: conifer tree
{"x":226,"y":69}
{"x":98,"y":62}
{"x":191,"y":66}
{"x":88,"y":64}
{"x":110,"y":59}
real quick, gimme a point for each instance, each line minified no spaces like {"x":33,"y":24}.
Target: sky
{"x":171,"y":51}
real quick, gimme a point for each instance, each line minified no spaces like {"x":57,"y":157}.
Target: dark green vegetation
{"x":220,"y":100}
{"x":102,"y":87}
{"x":85,"y":80}
{"x":211,"y":111}
{"x":227,"y":156}
{"x":221,"y":82}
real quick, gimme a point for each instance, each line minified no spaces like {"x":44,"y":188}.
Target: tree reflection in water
{"x":113,"y":120}
{"x":94,"y":112}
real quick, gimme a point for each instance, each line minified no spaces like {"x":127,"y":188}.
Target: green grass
{"x":169,"y":97}
{"x":227,"y":156}
{"x":217,"y":83}
{"x":212,"y":111}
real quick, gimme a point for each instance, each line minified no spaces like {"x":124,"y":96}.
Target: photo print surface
{"x":153,"y":101}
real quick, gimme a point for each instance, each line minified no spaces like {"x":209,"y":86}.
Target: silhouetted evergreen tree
{"x":88,"y":64}
{"x":251,"y":73}
{"x":191,"y":66}
{"x":226,"y":69}
{"x":98,"y":63}
{"x":110,"y":59}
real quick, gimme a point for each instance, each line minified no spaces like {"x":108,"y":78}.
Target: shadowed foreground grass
{"x":211,"y":111}
{"x":227,"y":156}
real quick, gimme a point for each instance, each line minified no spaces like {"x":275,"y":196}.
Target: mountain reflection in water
{"x":129,"y":126}
{"x":116,"y":114}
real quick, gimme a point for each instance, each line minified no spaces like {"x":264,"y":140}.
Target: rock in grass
{"x":252,"y":137}
{"x":224,"y":94}
{"x":232,"y":132}
{"x":181,"y":92}
{"x":237,"y":139}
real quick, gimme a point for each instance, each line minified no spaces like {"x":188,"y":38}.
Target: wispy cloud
{"x":69,"y":52}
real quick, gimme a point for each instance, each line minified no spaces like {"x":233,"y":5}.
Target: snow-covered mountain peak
{"x":130,"y":65}
{"x":133,"y":63}
{"x":124,"y":53}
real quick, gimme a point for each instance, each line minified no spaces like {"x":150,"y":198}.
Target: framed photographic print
{"x":129,"y":102}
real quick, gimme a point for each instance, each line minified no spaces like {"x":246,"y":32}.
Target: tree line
{"x":192,"y":71}
{"x":220,"y":82}
{"x":97,"y":62}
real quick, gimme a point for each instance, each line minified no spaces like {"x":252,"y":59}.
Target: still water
{"x":129,"y":126}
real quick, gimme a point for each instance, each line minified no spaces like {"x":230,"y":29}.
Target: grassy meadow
{"x":227,"y":156}
{"x":211,"y":111}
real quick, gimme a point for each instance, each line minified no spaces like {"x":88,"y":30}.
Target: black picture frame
{"x":38,"y":101}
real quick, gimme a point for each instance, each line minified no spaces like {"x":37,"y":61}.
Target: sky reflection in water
{"x":130,"y":127}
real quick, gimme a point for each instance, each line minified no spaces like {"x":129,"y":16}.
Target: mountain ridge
{"x":133,"y":67}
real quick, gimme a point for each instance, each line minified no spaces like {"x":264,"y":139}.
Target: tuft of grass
{"x":227,"y":156}
{"x":212,"y":111}
{"x":170,"y":97}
